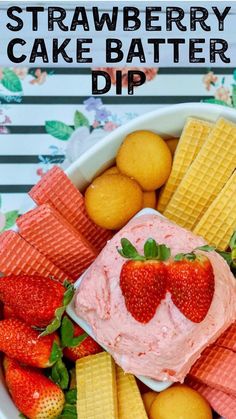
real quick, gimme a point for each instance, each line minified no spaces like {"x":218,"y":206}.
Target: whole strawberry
{"x":36,"y":300}
{"x":191,"y":284}
{"x":76,"y":342}
{"x":143,"y":279}
{"x":35,"y":395}
{"x":20,"y":342}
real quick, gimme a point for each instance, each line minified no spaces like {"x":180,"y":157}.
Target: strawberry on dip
{"x":156,"y":296}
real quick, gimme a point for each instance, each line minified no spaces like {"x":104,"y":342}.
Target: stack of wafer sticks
{"x":214,"y":374}
{"x":105,"y":391}
{"x":56,"y":238}
{"x":200,"y":194}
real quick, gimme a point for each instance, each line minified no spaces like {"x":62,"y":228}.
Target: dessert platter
{"x":117,"y":289}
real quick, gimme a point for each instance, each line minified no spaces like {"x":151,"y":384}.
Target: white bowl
{"x":168,"y":121}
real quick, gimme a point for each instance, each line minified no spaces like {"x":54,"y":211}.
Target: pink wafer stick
{"x":221,"y":402}
{"x":217,"y":368}
{"x":56,"y":189}
{"x":228,"y":338}
{"x":19,"y":257}
{"x":46,"y":230}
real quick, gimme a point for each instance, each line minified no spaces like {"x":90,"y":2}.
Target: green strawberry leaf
{"x":69,"y":293}
{"x":192,"y":256}
{"x":226,"y":255}
{"x":22,"y":416}
{"x":205,"y":248}
{"x":77,"y":340}
{"x":67,"y":331}
{"x":232,"y":243}
{"x":11,"y":81}
{"x":150,"y":249}
{"x":178,"y":257}
{"x":128,"y":251}
{"x":58,"y":130}
{"x":80,"y":120}
{"x":11,"y":218}
{"x":69,"y":412}
{"x":233,"y":257}
{"x":230,"y":257}
{"x":68,"y":340}
{"x":56,"y":322}
{"x":163,"y":252}
{"x":71,"y":396}
{"x":186,"y":256}
{"x":56,"y":353}
{"x":60,"y":375}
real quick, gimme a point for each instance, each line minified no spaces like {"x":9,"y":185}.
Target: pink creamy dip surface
{"x":167,"y":346}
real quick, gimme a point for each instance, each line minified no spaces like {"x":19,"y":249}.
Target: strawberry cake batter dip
{"x":166,"y":347}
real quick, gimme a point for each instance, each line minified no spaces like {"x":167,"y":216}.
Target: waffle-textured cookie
{"x":221,"y":402}
{"x":56,"y":189}
{"x":19,"y":257}
{"x":219,"y":221}
{"x":206,"y":176}
{"x":192,"y":138}
{"x":217,"y":368}
{"x":228,"y":338}
{"x":96,"y":387}
{"x":46,"y":230}
{"x":130,"y":403}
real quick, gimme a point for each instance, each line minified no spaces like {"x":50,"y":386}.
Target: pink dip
{"x":167,"y":346}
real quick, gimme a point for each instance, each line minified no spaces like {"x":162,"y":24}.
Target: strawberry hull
{"x":167,"y":346}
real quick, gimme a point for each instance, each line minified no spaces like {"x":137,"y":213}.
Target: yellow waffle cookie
{"x":96,"y":387}
{"x":130,"y":404}
{"x":219,"y":221}
{"x":206,"y":176}
{"x":192,"y":138}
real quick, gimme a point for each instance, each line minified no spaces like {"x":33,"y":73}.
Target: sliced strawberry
{"x":36,"y":300}
{"x":143,"y":279}
{"x":35,"y":395}
{"x":191,"y":284}
{"x":20,"y":342}
{"x":143,"y":286}
{"x":76,"y":342}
